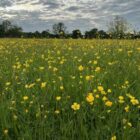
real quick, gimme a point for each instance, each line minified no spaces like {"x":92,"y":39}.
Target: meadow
{"x":69,"y":89}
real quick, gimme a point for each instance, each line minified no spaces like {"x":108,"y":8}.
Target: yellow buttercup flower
{"x":90,"y":98}
{"x":56,"y":111}
{"x":113,"y":138}
{"x":109,"y":91}
{"x":26,"y":110}
{"x":121,"y":99}
{"x":8,"y":83}
{"x":129,"y":124}
{"x":88,"y":78}
{"x":61,"y":87}
{"x":97,"y":69}
{"x":38,"y":80}
{"x":104,"y":98}
{"x":134,"y":101}
{"x":43,"y":85}
{"x":97,"y":96}
{"x":41,"y":68}
{"x":127,"y":108}
{"x":5,"y":131}
{"x":108,"y":103}
{"x":100,"y":88}
{"x":81,"y":68}
{"x":58,"y":98}
{"x":25,"y":98}
{"x":95,"y":62}
{"x":75,"y":106}
{"x":103,"y":92}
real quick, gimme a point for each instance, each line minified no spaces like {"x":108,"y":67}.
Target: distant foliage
{"x":117,"y":29}
{"x":9,"y":30}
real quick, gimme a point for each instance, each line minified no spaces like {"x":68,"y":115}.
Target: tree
{"x":1,"y":31}
{"x":6,"y":25}
{"x":37,"y":34}
{"x":45,"y":34}
{"x":118,"y":27}
{"x":59,"y":29}
{"x":102,"y":34}
{"x":14,"y":31}
{"x":92,"y":33}
{"x":76,"y":34}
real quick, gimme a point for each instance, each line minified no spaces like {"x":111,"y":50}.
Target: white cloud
{"x":25,"y":6}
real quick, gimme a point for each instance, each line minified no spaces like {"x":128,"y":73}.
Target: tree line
{"x":117,"y":29}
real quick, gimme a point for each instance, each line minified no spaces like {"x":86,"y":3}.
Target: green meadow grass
{"x":69,"y":89}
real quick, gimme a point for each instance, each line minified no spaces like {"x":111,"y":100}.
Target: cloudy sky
{"x":83,"y":14}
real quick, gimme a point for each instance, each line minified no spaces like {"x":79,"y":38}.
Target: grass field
{"x":69,"y":89}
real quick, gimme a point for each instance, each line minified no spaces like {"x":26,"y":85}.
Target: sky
{"x":40,"y":15}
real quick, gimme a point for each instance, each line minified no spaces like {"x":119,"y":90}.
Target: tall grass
{"x":69,"y":89}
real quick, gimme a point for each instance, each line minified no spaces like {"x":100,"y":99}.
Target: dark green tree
{"x":92,"y":33}
{"x":76,"y":34}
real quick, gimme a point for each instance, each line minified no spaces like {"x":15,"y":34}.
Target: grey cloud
{"x":81,"y":14}
{"x":4,"y":3}
{"x":73,"y":8}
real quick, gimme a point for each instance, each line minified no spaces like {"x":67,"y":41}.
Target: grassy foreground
{"x":69,"y":89}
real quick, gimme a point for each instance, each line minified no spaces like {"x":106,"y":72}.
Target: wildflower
{"x":103,"y":92}
{"x":5,"y":131}
{"x":41,"y":68}
{"x":130,"y":96}
{"x":7,"y":84}
{"x":95,"y":90}
{"x":110,"y":63}
{"x":114,"y":138}
{"x":38,"y":80}
{"x":100,"y":88}
{"x":127,"y":108}
{"x":43,"y":84}
{"x":58,"y":98}
{"x":90,"y":98}
{"x":61,"y":87}
{"x":109,"y":91}
{"x":56,"y":111}
{"x":31,"y":85}
{"x":26,"y":110}
{"x":25,"y":98}
{"x":120,"y":50}
{"x":97,"y":96}
{"x":121,"y":99}
{"x":108,"y":111}
{"x":124,"y":121}
{"x":81,"y":68}
{"x":75,"y":106}
{"x":55,"y":69}
{"x":126,"y":82}
{"x":60,"y":78}
{"x":97,"y":69}
{"x":95,"y":62}
{"x":134,"y":101}
{"x":108,"y":103}
{"x":88,"y":78}
{"x":104,"y":98}
{"x":129,"y":124}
